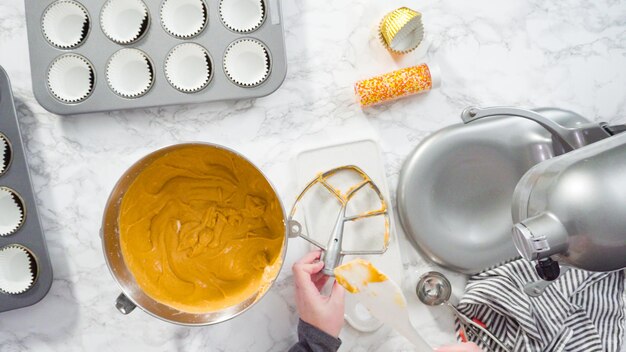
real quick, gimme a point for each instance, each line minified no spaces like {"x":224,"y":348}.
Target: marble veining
{"x":570,"y":54}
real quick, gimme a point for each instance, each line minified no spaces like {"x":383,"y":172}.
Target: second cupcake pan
{"x":81,"y":59}
{"x":25,"y":268}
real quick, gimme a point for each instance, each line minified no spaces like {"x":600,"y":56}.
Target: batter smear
{"x":201,"y":230}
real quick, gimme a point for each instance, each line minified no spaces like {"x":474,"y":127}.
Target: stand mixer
{"x":571,"y":209}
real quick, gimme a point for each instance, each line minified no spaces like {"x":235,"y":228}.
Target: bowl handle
{"x":124,"y":305}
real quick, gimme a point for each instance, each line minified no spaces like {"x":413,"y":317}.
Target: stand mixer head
{"x":572,"y":209}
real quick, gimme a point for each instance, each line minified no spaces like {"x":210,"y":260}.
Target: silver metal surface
{"x":536,"y":288}
{"x":332,"y":251}
{"x":570,"y":138}
{"x":534,"y":245}
{"x":434,"y":289}
{"x":17,"y":178}
{"x":476,"y":332}
{"x":576,"y":205}
{"x":157,"y":43}
{"x":131,"y":292}
{"x":455,"y":189}
{"x":124,"y":305}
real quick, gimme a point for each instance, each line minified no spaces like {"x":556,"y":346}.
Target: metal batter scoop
{"x":434,"y":289}
{"x":333,"y":251}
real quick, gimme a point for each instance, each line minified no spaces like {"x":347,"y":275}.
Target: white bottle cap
{"x":435,"y":74}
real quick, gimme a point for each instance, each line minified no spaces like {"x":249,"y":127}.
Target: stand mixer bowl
{"x":132,"y":295}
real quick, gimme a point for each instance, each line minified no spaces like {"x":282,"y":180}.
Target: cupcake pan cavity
{"x":71,"y":78}
{"x":25,"y":269}
{"x":184,"y":18}
{"x":65,"y":24}
{"x":6,"y":153}
{"x":87,"y":83}
{"x":188,"y":67}
{"x":130,"y":73}
{"x":124,"y":21}
{"x":242,"y":15}
{"x":247,"y":62}
{"x":12,"y":211}
{"x":18,"y":269}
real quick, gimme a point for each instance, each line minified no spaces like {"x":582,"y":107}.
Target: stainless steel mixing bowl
{"x":132,"y":295}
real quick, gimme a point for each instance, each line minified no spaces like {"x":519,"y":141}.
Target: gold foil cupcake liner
{"x":65,"y":24}
{"x":242,"y":16}
{"x":188,"y":67}
{"x":71,"y":78}
{"x":130,"y":73}
{"x":124,"y":21}
{"x":401,"y":30}
{"x":184,"y":19}
{"x":247,"y":62}
{"x":18,"y":269}
{"x":12,"y":212}
{"x":6,"y":154}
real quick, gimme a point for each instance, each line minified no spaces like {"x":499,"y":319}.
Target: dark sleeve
{"x":312,"y":339}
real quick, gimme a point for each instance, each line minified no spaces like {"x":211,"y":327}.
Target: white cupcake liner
{"x":130,"y":73}
{"x":247,"y":62}
{"x":409,"y":37}
{"x":5,"y":154}
{"x":184,"y":18}
{"x":18,"y":269}
{"x":242,"y":16}
{"x":188,"y":67}
{"x":124,"y":21}
{"x":65,"y":24}
{"x":12,"y":212}
{"x":71,"y":78}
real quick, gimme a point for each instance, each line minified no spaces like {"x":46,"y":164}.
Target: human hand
{"x":323,"y":312}
{"x":462,"y":347}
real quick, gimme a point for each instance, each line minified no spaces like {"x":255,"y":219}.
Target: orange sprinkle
{"x":394,"y":85}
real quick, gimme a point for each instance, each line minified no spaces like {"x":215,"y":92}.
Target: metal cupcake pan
{"x":89,"y":56}
{"x":25,"y":268}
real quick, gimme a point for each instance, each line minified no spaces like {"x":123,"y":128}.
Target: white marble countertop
{"x":524,"y":52}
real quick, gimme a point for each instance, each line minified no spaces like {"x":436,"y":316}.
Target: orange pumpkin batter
{"x":201,"y":230}
{"x":367,"y":270}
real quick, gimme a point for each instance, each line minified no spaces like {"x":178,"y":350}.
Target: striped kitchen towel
{"x":580,"y":312}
